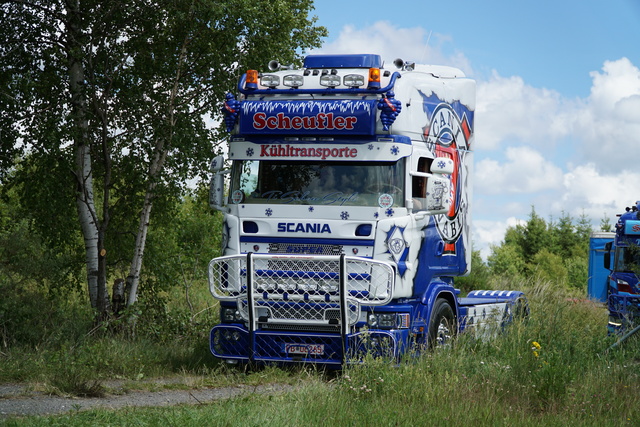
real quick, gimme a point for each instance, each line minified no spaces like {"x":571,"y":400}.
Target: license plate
{"x":305,"y":349}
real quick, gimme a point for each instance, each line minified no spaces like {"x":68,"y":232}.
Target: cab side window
{"x":419,"y":184}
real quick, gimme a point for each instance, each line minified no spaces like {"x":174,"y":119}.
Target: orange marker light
{"x":374,"y":78}
{"x":252,"y":76}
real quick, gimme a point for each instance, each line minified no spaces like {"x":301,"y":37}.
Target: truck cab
{"x":346,"y":212}
{"x":621,"y":262}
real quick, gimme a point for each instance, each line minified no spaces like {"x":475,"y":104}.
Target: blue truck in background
{"x":346,"y":213}
{"x":614,"y":268}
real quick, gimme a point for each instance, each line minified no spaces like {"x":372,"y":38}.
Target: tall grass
{"x":550,"y":369}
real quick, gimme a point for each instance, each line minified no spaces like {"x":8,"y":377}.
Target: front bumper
{"x":235,"y":342}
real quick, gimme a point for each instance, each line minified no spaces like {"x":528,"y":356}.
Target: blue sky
{"x":558,"y":102}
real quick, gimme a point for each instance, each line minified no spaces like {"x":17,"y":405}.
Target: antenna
{"x":424,"y":52}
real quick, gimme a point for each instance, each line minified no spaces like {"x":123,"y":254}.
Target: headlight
{"x":265,"y":285}
{"x":288,"y":285}
{"x":388,"y":320}
{"x":330,"y":80}
{"x":353,"y":80}
{"x":270,"y":80}
{"x":293,"y":80}
{"x":329,"y":286}
{"x":372,"y":320}
{"x":230,"y":315}
{"x":308,"y":286}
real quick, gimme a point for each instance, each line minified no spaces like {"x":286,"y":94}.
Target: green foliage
{"x":38,"y":282}
{"x":554,"y":251}
{"x":577,"y":272}
{"x":124,"y":92}
{"x":549,"y":267}
{"x":605,"y":224}
{"x":479,"y":276}
{"x":535,"y":236}
{"x":506,"y":260}
{"x":551,"y":369}
{"x":44,"y":320}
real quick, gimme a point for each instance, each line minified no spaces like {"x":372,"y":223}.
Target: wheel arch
{"x":435,"y":291}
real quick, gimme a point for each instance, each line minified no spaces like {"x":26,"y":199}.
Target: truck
{"x":346,"y":214}
{"x":614,"y":268}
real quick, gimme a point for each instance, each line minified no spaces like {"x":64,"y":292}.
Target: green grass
{"x":570,"y":379}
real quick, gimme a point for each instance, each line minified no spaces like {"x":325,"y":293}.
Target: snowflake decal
{"x":389,"y":212}
{"x":375,"y":215}
{"x":370,"y":147}
{"x":441,"y":164}
{"x":395,"y":150}
{"x":310,"y":208}
{"x":268,"y":212}
{"x":249,"y":152}
{"x":344,"y":215}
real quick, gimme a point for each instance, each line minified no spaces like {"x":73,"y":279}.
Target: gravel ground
{"x":18,"y":400}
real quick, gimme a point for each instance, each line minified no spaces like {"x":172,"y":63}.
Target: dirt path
{"x":17,"y":400}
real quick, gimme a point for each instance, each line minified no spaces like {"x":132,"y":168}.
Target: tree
{"x":535,"y":236}
{"x":550,"y":267}
{"x":555,"y":251}
{"x":116,"y":96}
{"x":605,"y":223}
{"x":506,"y":260}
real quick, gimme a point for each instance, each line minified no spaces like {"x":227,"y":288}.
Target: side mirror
{"x":442,"y":166}
{"x":216,"y":186}
{"x":217,"y":164}
{"x":439,"y":186}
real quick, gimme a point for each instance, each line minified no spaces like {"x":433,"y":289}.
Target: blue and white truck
{"x":614,"y":268}
{"x":346,"y":213}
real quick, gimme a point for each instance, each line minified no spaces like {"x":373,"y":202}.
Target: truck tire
{"x":442,"y":328}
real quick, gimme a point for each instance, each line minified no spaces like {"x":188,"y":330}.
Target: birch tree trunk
{"x":84,"y":178}
{"x":133,"y":279}
{"x":160,"y":152}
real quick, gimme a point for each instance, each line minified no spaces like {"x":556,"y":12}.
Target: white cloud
{"x":509,"y":109}
{"x":619,"y":80}
{"x":590,"y":144}
{"x":587,"y":190}
{"x":488,"y":233}
{"x":608,"y":128}
{"x":599,"y":136}
{"x":391,"y":42}
{"x":525,"y":171}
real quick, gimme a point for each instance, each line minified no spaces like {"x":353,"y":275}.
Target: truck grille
{"x":301,"y":289}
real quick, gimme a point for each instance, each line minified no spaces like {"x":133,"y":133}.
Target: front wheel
{"x":442,"y":328}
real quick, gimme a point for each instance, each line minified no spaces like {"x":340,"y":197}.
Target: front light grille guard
{"x":625,"y":307}
{"x":308,"y":290}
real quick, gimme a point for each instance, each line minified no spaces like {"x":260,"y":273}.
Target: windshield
{"x":628,"y":259}
{"x":318,"y":183}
